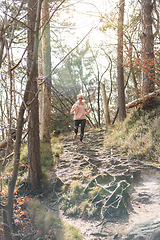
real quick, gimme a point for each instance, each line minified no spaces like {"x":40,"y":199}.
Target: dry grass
{"x":138,"y":136}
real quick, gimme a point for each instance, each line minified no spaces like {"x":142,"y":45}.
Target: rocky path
{"x":76,"y":162}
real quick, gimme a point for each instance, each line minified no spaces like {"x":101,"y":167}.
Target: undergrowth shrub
{"x":75,"y":202}
{"x":46,"y":155}
{"x":138,"y":136}
{"x":50,"y":151}
{"x":43,"y":221}
{"x":32,"y":221}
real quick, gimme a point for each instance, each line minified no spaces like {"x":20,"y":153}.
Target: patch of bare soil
{"x":144,"y":188}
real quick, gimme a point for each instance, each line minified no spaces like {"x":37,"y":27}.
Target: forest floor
{"x":144,"y":185}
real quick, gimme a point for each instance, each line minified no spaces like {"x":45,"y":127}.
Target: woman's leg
{"x":76,"y":125}
{"x":83,"y":123}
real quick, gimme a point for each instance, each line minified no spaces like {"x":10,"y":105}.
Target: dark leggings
{"x":76,"y":125}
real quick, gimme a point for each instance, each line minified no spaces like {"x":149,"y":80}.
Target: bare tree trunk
{"x":34,"y":157}
{"x":98,"y":101}
{"x":105,"y":106}
{"x":147,"y":39}
{"x":46,"y":56}
{"x":1,"y":43}
{"x":6,"y":230}
{"x":15,"y":169}
{"x":11,"y":99}
{"x":40,"y":77}
{"x":120,"y":75}
{"x":19,"y":128}
{"x":2,"y":115}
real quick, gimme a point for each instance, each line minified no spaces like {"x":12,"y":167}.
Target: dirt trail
{"x":144,"y":192}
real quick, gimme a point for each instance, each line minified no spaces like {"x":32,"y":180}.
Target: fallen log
{"x":143,"y":99}
{"x":4,"y":142}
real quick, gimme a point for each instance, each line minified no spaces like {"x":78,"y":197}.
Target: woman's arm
{"x":87,"y":111}
{"x":74,"y":107}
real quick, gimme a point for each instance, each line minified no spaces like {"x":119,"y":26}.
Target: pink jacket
{"x":80,"y":111}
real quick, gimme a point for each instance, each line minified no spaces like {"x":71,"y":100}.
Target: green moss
{"x":76,"y":187}
{"x":72,"y":233}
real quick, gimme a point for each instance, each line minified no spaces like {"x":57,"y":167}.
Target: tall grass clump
{"x":49,"y":227}
{"x":138,"y":136}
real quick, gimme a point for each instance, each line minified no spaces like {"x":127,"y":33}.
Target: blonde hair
{"x":80,"y":95}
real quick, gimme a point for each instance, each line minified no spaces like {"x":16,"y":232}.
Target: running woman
{"x":79,"y":109}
